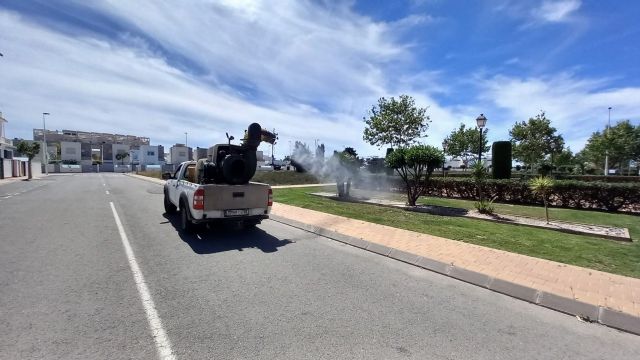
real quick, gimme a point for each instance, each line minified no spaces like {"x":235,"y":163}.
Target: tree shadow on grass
{"x":226,"y":237}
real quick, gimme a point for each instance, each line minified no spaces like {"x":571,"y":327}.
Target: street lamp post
{"x":186,"y":144}
{"x":101,"y":154}
{"x":44,"y":140}
{"x":606,"y":156}
{"x":481,"y":121}
{"x":273,"y":158}
{"x":445,"y":146}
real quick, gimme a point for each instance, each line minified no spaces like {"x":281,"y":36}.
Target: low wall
{"x":122,"y":168}
{"x":70,"y":168}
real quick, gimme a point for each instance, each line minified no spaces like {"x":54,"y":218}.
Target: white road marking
{"x":163,"y":345}
{"x":107,"y":192}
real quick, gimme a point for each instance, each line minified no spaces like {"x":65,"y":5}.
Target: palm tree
{"x":542,"y":186}
{"x":30,"y":150}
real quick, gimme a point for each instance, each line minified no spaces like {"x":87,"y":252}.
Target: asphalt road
{"x":67,"y":290}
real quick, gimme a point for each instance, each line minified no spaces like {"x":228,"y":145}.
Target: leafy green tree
{"x":30,"y":150}
{"x":415,"y":164}
{"x":565,"y":157}
{"x":533,"y":140}
{"x":395,"y":122}
{"x":542,"y":186}
{"x":620,"y":142}
{"x":465,"y":143}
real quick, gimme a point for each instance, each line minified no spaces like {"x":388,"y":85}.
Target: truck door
{"x":173,"y":186}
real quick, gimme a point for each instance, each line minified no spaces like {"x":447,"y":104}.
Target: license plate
{"x":236,"y":212}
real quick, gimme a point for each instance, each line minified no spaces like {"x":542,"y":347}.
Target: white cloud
{"x":557,"y":11}
{"x":576,"y":107}
{"x":93,"y":84}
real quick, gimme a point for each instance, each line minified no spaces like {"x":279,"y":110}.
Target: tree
{"x":395,"y":122}
{"x":121,"y":157}
{"x":415,"y":164}
{"x":565,"y":157}
{"x":344,"y":166}
{"x":620,"y":142}
{"x":465,"y":143}
{"x":542,"y":186}
{"x":535,"y":139}
{"x":30,"y":150}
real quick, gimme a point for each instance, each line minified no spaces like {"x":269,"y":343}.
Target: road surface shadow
{"x":226,"y":238}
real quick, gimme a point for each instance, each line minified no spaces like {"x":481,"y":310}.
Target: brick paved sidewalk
{"x":593,"y":287}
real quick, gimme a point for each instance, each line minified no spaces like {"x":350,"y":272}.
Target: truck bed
{"x":224,"y":197}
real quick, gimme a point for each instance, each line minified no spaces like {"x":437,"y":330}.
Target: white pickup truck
{"x":200,"y":201}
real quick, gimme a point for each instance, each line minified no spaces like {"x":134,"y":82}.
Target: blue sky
{"x":311,"y":70}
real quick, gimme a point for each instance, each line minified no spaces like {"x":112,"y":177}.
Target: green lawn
{"x":605,"y":255}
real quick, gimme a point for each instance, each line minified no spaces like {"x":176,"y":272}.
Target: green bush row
{"x":565,"y":193}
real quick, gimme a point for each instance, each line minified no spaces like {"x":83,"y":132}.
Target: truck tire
{"x":169,"y":208}
{"x":185,"y":220}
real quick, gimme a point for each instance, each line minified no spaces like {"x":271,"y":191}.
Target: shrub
{"x":564,"y":193}
{"x":542,"y":187}
{"x":484,"y":206}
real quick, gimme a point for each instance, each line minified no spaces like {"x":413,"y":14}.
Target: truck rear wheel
{"x":169,"y":208}
{"x":185,"y":220}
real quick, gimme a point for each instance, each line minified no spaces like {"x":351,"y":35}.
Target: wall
{"x":120,"y":149}
{"x":71,"y":151}
{"x":179,"y":154}
{"x":70,"y":168}
{"x":149,"y":155}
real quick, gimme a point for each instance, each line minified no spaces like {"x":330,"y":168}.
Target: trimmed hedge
{"x":565,"y":193}
{"x":602,"y":178}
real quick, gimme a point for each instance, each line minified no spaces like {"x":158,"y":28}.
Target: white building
{"x":149,"y":155}
{"x":134,"y":156}
{"x":6,"y":152}
{"x":117,"y":149}
{"x":70,"y":152}
{"x":180,"y":153}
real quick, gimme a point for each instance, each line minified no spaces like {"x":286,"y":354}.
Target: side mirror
{"x":166,"y":176}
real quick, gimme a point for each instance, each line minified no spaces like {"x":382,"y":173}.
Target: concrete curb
{"x":145,"y":178}
{"x":588,"y":312}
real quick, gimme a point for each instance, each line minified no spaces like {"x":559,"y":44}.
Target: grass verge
{"x":284,"y":178}
{"x":590,"y":252}
{"x":152,"y":174}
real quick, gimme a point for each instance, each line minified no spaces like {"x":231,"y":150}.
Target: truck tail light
{"x":270,"y":199}
{"x":198,"y":199}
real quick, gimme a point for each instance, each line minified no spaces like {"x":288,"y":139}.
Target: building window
{"x":182,"y":153}
{"x":150,"y":153}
